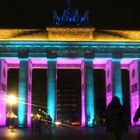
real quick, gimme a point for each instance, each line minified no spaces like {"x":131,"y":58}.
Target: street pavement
{"x":62,"y":133}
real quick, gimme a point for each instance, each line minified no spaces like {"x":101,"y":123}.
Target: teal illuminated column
{"x":51,"y":100}
{"x":22,"y":92}
{"x":90,"y":113}
{"x":117,"y":83}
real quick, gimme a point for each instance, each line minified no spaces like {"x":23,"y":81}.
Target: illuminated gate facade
{"x":81,"y":52}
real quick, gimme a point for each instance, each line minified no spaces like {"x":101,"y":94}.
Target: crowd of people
{"x":116,"y":121}
{"x":38,"y":123}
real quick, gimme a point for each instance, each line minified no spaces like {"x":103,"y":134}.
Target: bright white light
{"x":57,"y":123}
{"x":11,"y":99}
{"x":38,"y":115}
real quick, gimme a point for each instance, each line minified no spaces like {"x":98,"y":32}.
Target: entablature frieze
{"x":70,"y":49}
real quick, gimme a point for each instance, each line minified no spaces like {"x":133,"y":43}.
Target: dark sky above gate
{"x":104,"y":14}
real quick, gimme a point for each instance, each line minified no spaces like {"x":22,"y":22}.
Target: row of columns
{"x":113,"y":85}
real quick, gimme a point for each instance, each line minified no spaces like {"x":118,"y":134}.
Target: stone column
{"x":83,"y":117}
{"x":117,"y":82}
{"x":3,"y":91}
{"x":51,"y":99}
{"x":134,"y":76}
{"x":90,"y":106}
{"x":22,"y":92}
{"x":108,"y":77}
{"x":29,"y":97}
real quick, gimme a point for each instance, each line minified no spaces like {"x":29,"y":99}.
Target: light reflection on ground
{"x":62,"y":133}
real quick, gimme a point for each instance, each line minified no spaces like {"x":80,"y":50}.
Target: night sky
{"x":104,"y":14}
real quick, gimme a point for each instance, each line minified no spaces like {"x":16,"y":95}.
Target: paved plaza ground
{"x":62,"y":133}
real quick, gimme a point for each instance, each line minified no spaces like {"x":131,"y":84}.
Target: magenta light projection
{"x":69,"y":63}
{"x":13,"y":63}
{"x":29,"y":97}
{"x":99,"y":63}
{"x":108,"y":77}
{"x":106,"y":64}
{"x":83,"y":119}
{"x":33,"y":63}
{"x":5,"y":64}
{"x":3,"y":91}
{"x":125,"y":63}
{"x":134,"y":89}
{"x":132,"y":65}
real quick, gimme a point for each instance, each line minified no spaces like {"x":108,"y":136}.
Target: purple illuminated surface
{"x":33,"y":63}
{"x":6,"y":63}
{"x":75,"y":64}
{"x":64,"y":63}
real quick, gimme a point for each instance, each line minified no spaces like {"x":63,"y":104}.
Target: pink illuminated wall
{"x":83,"y":119}
{"x":13,"y":63}
{"x":133,"y":66}
{"x":3,"y":91}
{"x":70,"y":63}
{"x":33,"y":63}
{"x":108,"y":75}
{"x":5,"y":64}
{"x":64,"y":63}
{"x":106,"y":64}
{"x":134,"y":88}
{"x":29,"y":97}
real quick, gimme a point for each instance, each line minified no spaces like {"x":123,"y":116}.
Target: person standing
{"x":38,"y":125}
{"x":136,"y":119}
{"x":137,"y":115}
{"x":116,"y":120}
{"x":49,"y":122}
{"x":12,"y":123}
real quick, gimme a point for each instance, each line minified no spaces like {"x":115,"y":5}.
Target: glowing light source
{"x":11,"y":99}
{"x":38,"y":115}
{"x":57,"y":123}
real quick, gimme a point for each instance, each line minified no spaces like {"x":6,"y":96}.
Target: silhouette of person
{"x":12,"y":123}
{"x":38,"y":125}
{"x":116,"y":120}
{"x":136,"y":119}
{"x":49,"y":122}
{"x":33,"y":123}
{"x":137,"y":115}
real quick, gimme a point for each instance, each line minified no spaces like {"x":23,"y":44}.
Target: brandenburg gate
{"x":83,"y":48}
